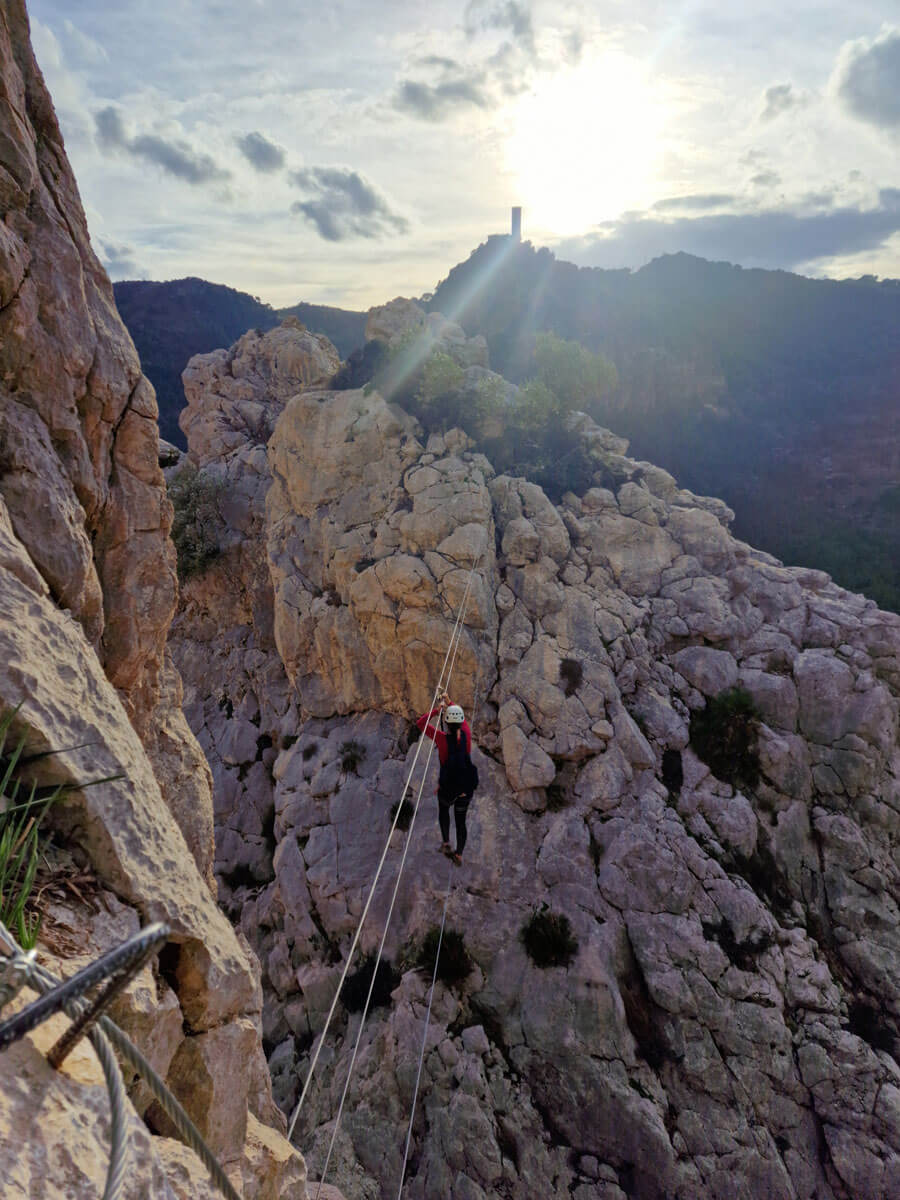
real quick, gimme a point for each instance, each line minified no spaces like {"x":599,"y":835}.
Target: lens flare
{"x":585,"y":144}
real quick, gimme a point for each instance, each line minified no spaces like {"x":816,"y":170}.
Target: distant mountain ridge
{"x":173,"y":320}
{"x":777,"y":392}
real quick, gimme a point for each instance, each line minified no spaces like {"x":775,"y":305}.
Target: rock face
{"x":87,"y":592}
{"x":79,"y":472}
{"x":728,"y":1023}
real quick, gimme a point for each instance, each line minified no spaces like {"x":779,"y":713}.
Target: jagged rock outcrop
{"x":404,"y":321}
{"x":728,"y":1025}
{"x":87,"y":592}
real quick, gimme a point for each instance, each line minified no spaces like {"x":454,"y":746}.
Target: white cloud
{"x":867,"y":78}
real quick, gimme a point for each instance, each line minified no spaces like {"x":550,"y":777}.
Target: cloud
{"x":509,"y":16}
{"x":781,"y":98}
{"x":119,"y":261}
{"x":765,"y":179}
{"x":81,"y":49}
{"x":262,"y":154}
{"x":439,"y":101}
{"x":777,"y":239}
{"x":176,"y":157}
{"x":110,"y":129}
{"x":694,"y":203}
{"x":867,"y":78}
{"x":341,"y":204}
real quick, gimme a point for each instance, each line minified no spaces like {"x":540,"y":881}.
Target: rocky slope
{"x":774,"y":391}
{"x":87,"y":592}
{"x":728,"y":1024}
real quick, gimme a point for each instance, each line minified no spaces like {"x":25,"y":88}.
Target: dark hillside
{"x":777,"y":392}
{"x":172,"y":321}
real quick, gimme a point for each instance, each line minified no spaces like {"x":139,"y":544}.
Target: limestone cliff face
{"x":79,"y":470}
{"x":87,"y":592}
{"x":728,"y":1025}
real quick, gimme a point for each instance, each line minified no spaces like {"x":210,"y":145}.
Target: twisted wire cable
{"x":20,"y":969}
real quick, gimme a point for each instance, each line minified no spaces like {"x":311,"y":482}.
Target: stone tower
{"x":516,"y":231}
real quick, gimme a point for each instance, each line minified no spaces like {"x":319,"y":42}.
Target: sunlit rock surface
{"x":728,"y":1024}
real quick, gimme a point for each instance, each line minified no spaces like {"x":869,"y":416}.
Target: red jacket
{"x":439,"y":737}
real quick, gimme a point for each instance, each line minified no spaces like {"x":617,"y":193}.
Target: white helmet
{"x":454,"y":715}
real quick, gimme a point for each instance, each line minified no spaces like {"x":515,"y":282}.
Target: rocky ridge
{"x":87,"y":591}
{"x":728,"y":1026}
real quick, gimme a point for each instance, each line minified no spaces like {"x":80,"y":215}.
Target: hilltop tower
{"x":516,"y":231}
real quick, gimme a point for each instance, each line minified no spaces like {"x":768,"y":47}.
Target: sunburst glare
{"x":585,"y":143}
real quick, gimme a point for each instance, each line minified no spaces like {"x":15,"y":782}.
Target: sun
{"x":585,"y":144}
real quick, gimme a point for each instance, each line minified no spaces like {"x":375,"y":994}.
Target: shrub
{"x":361,"y":367}
{"x":548,"y":939}
{"x":454,"y":964}
{"x":556,"y":797}
{"x":197,"y":522}
{"x":534,"y":406}
{"x":440,"y":377}
{"x":577,"y":377}
{"x":571,"y":672}
{"x":352,"y":753}
{"x":672,"y":771}
{"x":725,"y":735}
{"x":406,"y":808}
{"x":356,"y":985}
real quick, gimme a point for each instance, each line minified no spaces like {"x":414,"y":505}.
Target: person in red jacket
{"x":459,"y":776}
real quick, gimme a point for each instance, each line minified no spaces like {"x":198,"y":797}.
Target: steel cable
{"x":21,"y":969}
{"x":440,"y":687}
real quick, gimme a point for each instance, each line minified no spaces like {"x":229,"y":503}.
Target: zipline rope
{"x":412,"y":1111}
{"x":441,"y":686}
{"x":458,"y":637}
{"x":437,"y":958}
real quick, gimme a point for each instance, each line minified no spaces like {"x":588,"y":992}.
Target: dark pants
{"x":460,"y":806}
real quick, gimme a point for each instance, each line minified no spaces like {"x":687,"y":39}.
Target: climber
{"x":459,"y":775}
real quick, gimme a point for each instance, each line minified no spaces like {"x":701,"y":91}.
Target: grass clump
{"x":352,"y":754}
{"x":454,"y":963}
{"x":23,"y":806}
{"x":356,"y":985}
{"x":197,"y":522}
{"x":548,"y":939}
{"x":725,"y":736}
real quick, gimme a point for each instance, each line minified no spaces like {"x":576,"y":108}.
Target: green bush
{"x":352,"y":753}
{"x":725,"y":734}
{"x":440,"y":376}
{"x":553,"y":457}
{"x":548,"y":939}
{"x":454,"y":964}
{"x":577,"y":378}
{"x":197,"y":523}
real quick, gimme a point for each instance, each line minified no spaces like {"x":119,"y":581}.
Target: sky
{"x":348,"y":152}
